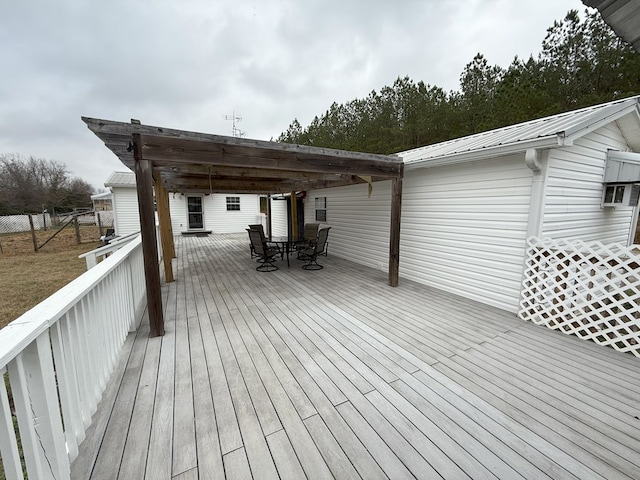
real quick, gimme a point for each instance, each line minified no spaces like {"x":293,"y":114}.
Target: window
{"x":621,"y":195}
{"x":613,"y":195}
{"x":263,"y":205}
{"x":233,"y":204}
{"x":321,"y":209}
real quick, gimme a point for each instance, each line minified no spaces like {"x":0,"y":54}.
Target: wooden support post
{"x":99,"y":223}
{"x":144,"y":187}
{"x":294,"y":216}
{"x":164,"y":217}
{"x":268,"y":216}
{"x":33,"y":234}
{"x":172,"y":243}
{"x":394,"y":237}
{"x":76,"y":226}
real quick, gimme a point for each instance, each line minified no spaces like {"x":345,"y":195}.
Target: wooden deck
{"x":333,"y":374}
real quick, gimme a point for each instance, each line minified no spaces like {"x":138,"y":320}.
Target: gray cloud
{"x":188,"y":64}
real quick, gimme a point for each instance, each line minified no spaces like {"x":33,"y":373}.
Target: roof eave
{"x":489,"y":152}
{"x":609,"y":115}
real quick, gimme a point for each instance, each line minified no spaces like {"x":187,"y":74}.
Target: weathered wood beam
{"x":394,"y":237}
{"x":260,"y":185}
{"x":294,"y":215}
{"x":171,"y":151}
{"x":166,"y":235}
{"x":269,"y":215}
{"x":144,"y":187}
{"x":189,"y":170}
{"x":120,"y":132}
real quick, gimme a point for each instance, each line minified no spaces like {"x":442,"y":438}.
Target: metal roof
{"x":121,"y":179}
{"x":557,"y":130}
{"x":621,"y":15}
{"x":101,"y":196}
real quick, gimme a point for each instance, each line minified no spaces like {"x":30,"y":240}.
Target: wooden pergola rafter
{"x":191,"y":162}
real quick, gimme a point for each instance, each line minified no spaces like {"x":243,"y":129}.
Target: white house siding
{"x":279,"y":220}
{"x":178,"y":212}
{"x":574,"y":191}
{"x":360,"y":225}
{"x":463,"y":227}
{"x":126,"y":217}
{"x":216,"y":217}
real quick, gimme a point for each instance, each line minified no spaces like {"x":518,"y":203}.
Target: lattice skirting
{"x":586,"y":289}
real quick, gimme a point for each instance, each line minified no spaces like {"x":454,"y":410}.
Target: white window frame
{"x":233,"y":202}
{"x":320,"y":206}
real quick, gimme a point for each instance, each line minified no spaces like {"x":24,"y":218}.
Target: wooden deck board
{"x":333,"y":374}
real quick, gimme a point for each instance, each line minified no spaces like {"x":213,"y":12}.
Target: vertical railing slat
{"x":8,"y":441}
{"x":39,"y":419}
{"x":87,"y":364}
{"x":68,"y":388}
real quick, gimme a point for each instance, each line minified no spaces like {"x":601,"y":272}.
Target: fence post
{"x":77,"y":227}
{"x":99,"y":223}
{"x":33,"y":234}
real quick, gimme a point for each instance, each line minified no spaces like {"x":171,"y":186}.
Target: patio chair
{"x":259,"y":228}
{"x":109,"y":235}
{"x":265,"y":253}
{"x":309,"y":236}
{"x":311,"y":253}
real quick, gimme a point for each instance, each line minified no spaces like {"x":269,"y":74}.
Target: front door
{"x":194,"y":213}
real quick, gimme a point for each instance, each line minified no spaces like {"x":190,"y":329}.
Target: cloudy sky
{"x":187,"y":64}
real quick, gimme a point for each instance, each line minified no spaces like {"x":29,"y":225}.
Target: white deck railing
{"x":58,"y":358}
{"x":590,"y":290}
{"x":94,"y":256}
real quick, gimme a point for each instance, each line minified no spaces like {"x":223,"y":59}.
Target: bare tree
{"x":31,"y":184}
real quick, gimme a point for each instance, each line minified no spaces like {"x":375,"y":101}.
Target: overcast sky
{"x":187,"y":64}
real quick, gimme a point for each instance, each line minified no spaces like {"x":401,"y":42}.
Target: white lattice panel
{"x":589,"y":289}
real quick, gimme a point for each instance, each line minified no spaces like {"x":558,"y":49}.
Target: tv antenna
{"x":236,"y":132}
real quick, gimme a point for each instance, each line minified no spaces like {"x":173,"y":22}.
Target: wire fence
{"x":23,"y":233}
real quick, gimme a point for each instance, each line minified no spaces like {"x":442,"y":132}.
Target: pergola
{"x":191,"y":162}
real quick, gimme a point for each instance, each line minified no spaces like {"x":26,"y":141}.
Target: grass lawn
{"x":28,"y":277}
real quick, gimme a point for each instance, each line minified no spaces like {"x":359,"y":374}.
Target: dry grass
{"x":28,"y":277}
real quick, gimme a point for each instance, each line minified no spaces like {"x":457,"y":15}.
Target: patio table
{"x":283,"y":243}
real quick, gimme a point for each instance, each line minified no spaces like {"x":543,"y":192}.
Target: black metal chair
{"x":311,"y":253}
{"x":309,"y":236}
{"x":259,"y":228}
{"x":109,"y":235}
{"x":265,"y":253}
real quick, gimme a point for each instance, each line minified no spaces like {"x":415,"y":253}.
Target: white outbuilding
{"x":470,"y":204}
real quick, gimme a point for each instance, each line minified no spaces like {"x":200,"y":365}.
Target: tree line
{"x":31,"y":185}
{"x":582,"y":63}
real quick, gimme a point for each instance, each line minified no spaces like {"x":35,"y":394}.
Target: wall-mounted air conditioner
{"x":620,"y":194}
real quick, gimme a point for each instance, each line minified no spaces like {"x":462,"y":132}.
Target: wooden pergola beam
{"x":144,"y":187}
{"x":200,"y":170}
{"x":246,"y":185}
{"x":171,"y":151}
{"x":166,"y":232}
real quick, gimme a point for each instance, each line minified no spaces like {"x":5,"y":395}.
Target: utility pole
{"x":236,"y":132}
